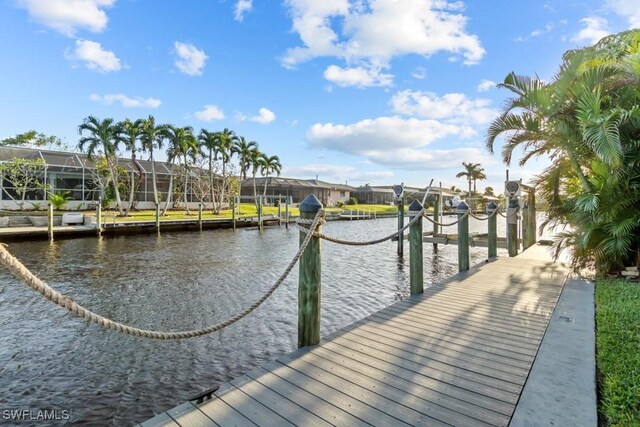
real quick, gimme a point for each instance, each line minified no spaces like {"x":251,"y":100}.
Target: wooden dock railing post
{"x":416,"y":276}
{"x":200,"y":216}
{"x":492,"y":243}
{"x":286,"y":212}
{"x":309,"y":279}
{"x":50,"y":221}
{"x":463,"y":236}
{"x":436,"y":218}
{"x":233,"y":212}
{"x":400,"y":227}
{"x":158,"y":218}
{"x":512,"y":227}
{"x":99,"y":217}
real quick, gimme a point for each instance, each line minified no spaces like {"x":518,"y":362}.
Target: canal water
{"x":50,"y":359}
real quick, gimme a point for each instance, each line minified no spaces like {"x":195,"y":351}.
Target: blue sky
{"x":364,"y":91}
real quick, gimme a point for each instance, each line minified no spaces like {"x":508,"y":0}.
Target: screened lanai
{"x":76,"y":176}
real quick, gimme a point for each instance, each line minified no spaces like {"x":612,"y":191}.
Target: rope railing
{"x":446,"y":225}
{"x":485,"y":218}
{"x":26,"y":276}
{"x":362,"y":243}
{"x":513,"y":212}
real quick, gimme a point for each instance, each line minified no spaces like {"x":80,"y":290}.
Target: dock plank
{"x":459,"y":354}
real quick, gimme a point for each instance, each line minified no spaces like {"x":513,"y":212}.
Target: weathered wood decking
{"x":457,"y":355}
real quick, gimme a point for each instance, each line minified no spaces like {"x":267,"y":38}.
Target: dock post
{"x":529,"y":221}
{"x":400,"y":227}
{"x":50,"y":221}
{"x":512,"y":227}
{"x":260,"y":213}
{"x":233,"y":212}
{"x":436,"y":218}
{"x":492,"y":231}
{"x":415,"y":250}
{"x":200,"y":216}
{"x":286,"y":213}
{"x":158,"y":218}
{"x":309,"y":279}
{"x":99,"y":217}
{"x":463,"y":236}
{"x":279,"y":210}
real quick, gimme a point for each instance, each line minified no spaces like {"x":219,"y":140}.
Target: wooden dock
{"x":459,"y":354}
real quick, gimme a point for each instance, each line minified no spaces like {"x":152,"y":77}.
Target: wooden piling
{"x":416,"y":276}
{"x":436,"y":218}
{"x":492,"y":243}
{"x":99,"y":217}
{"x":50,"y":221}
{"x":286,"y":212}
{"x":158,"y":218}
{"x":400,"y":227}
{"x":200,"y":216}
{"x":279,"y":210}
{"x":260,"y":213}
{"x":233,"y":212}
{"x":463,"y":236}
{"x":309,"y":279}
{"x":529,"y":231}
{"x":512,"y":227}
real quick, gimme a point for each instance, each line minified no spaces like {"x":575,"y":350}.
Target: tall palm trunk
{"x":186,"y":182}
{"x":153,"y":177}
{"x":213,"y":199}
{"x":134,"y":184}
{"x":115,"y":186}
{"x":224,"y":181}
{"x":266,"y":179}
{"x":166,"y":205}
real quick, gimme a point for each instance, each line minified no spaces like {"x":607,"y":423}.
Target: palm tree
{"x":181,"y":144}
{"x":478,"y":174}
{"x":256,"y":161}
{"x":470,"y":170}
{"x":103,"y":135}
{"x":488,"y":191}
{"x":211,"y":142}
{"x":151,"y":138}
{"x":244,"y":151}
{"x":226,"y":140}
{"x":271,"y":164}
{"x":129,"y":133}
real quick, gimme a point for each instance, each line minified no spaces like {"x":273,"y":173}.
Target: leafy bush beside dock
{"x":618,"y":351}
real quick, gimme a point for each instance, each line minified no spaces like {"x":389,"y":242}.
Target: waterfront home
{"x":328,"y":193}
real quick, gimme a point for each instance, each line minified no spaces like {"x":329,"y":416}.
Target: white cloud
{"x":191,"y":60}
{"x":68,"y":16}
{"x":370,"y":136}
{"x":485,"y":85}
{"x":357,"y":76}
{"x":547,"y":29}
{"x":125,"y":101}
{"x":242,"y":6}
{"x":209,"y":113}
{"x":629,"y":9}
{"x":94,"y":56}
{"x":595,"y":29}
{"x":451,"y":107}
{"x":264,"y":116}
{"x":371,"y":33}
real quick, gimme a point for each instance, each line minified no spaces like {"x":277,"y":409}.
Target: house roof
{"x":282,"y":182}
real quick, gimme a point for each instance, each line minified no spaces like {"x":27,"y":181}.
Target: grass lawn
{"x":618,"y":351}
{"x":246,"y":209}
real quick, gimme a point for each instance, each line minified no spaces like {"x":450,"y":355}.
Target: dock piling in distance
{"x":400,"y":227}
{"x":309,"y":279}
{"x":416,"y":276}
{"x":436,"y":218}
{"x":50,"y":221}
{"x":463,"y":236}
{"x":99,"y":217}
{"x":259,"y":213}
{"x":279,"y":210}
{"x":492,"y":243}
{"x":158,"y":218}
{"x":286,"y":212}
{"x":233,"y":212}
{"x":200,"y":215}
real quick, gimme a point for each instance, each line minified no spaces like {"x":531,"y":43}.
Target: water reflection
{"x":179,"y":281}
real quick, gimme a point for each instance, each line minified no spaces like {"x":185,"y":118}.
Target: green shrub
{"x":59,"y":200}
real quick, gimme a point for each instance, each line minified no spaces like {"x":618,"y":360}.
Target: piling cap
{"x":310,"y":204}
{"x":415,"y":207}
{"x":462,"y":208}
{"x":491,"y":207}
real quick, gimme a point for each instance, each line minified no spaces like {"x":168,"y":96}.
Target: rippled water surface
{"x":177,"y":281}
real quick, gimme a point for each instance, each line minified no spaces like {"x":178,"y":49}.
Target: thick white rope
{"x":23,"y":273}
{"x":447,"y":225}
{"x":366,"y":243}
{"x":480,"y":218}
